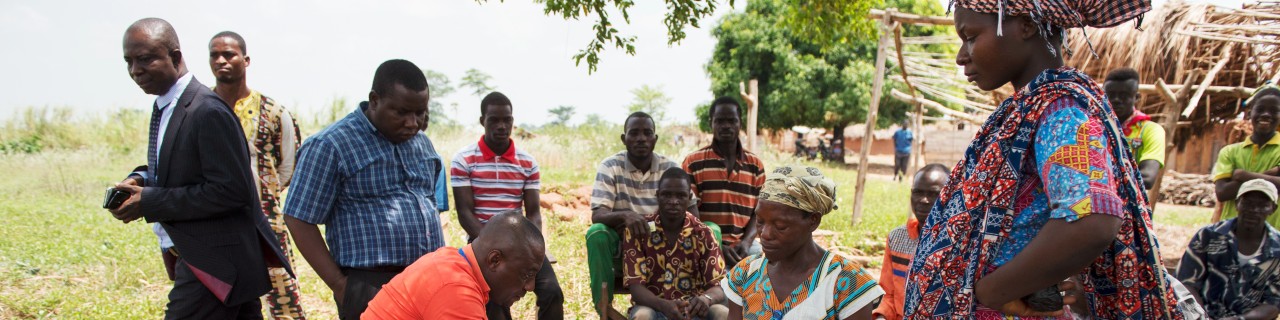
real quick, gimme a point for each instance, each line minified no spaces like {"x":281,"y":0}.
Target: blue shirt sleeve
{"x":442,"y":190}
{"x":316,"y":182}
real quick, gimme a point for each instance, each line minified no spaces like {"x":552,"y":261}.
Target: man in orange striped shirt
{"x":726,"y":179}
{"x":901,"y":246}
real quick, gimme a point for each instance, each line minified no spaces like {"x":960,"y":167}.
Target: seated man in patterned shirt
{"x":672,"y":271}
{"x":1231,"y":267}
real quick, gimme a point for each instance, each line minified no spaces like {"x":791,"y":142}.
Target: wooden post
{"x":915,"y":159}
{"x":1170,"y":124}
{"x":917,"y":144}
{"x":751,"y":95}
{"x":876,"y":86}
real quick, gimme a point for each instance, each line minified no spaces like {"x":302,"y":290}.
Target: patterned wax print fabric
{"x":273,"y":139}
{"x":1051,"y":151}
{"x":274,"y":143}
{"x":683,"y":269}
{"x":837,"y":289}
{"x":1146,"y":138}
{"x":1251,"y":157}
{"x":1064,"y":13}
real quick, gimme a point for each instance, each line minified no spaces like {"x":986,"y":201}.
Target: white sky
{"x":68,"y":53}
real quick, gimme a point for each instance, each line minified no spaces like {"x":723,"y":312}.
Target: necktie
{"x":152,"y":143}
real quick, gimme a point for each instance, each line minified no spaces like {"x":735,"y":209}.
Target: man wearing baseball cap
{"x":1232,"y":267}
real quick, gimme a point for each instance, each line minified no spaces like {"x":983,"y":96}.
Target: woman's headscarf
{"x":1062,"y":14}
{"x":800,"y":187}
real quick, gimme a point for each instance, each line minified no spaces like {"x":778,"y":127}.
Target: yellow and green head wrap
{"x":800,"y":187}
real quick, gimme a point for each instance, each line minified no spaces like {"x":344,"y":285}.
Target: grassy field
{"x":63,"y":257}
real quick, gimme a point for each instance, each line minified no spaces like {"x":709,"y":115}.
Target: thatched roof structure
{"x":1220,"y":52}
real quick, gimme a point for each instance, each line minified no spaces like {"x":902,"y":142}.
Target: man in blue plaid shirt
{"x":370,"y":178}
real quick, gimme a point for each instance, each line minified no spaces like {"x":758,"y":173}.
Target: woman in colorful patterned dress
{"x":1047,"y":190}
{"x":795,"y":278}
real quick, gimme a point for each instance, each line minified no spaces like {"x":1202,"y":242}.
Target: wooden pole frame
{"x":867,"y":137}
{"x":751,"y":95}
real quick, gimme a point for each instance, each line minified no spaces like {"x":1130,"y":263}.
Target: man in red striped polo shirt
{"x":726,"y":180}
{"x":491,"y":177}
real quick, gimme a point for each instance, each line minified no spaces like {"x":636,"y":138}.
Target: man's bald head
{"x":511,"y":251}
{"x":511,"y":231}
{"x":152,"y":55}
{"x":158,"y":30}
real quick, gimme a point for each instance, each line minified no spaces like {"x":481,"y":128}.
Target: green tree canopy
{"x":804,"y":80}
{"x":561,"y":115}
{"x":441,"y":87}
{"x":651,"y":100}
{"x":478,"y":82}
{"x":831,"y":22}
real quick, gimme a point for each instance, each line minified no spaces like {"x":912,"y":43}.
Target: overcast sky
{"x":305,"y":53}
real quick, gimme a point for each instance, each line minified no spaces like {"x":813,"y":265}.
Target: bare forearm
{"x":313,"y":248}
{"x":715,"y":293}
{"x":1149,"y":169}
{"x":1241,"y":176}
{"x":644,"y":297}
{"x":467,"y":219}
{"x":1226,"y":189}
{"x":749,"y":235}
{"x":613,"y":219}
{"x":464,"y":199}
{"x":1045,"y":262}
{"x":532,"y":210}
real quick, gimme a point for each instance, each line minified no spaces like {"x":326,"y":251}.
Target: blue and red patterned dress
{"x":1051,"y":151}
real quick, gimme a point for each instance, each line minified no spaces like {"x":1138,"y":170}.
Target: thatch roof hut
{"x":1220,"y":53}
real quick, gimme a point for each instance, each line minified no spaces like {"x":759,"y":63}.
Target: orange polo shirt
{"x":440,"y":285}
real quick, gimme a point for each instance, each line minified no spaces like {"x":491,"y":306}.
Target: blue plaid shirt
{"x":377,"y":199}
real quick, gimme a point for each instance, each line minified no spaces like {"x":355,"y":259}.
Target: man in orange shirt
{"x":901,"y":246}
{"x":456,"y":283}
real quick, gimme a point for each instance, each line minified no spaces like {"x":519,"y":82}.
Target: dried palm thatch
{"x":932,"y":77}
{"x":1221,"y":52}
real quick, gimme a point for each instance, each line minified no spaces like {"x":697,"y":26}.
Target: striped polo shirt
{"x":728,"y":198}
{"x":621,"y":186}
{"x":497,"y":181}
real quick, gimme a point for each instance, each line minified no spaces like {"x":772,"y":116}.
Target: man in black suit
{"x":197,"y":185}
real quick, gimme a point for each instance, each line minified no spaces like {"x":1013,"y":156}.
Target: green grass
{"x":61,"y":256}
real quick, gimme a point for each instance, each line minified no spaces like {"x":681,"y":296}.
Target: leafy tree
{"x":562,"y":114}
{"x":594,"y":120}
{"x":441,"y":87}
{"x":803,"y":80}
{"x":478,"y":82}
{"x":832,"y":22}
{"x":651,"y":100}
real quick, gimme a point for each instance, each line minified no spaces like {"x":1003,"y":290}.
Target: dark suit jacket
{"x":206,"y":199}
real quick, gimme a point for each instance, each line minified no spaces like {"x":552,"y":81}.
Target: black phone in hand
{"x":114,"y":198}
